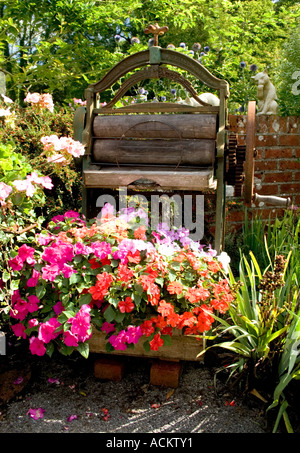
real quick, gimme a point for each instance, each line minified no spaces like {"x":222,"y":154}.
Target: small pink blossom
{"x":26,"y":254}
{"x":19,"y":380}
{"x":72,"y":417}
{"x":16,"y":263}
{"x":5,"y":190}
{"x":36,"y":413}
{"x":33,"y":323}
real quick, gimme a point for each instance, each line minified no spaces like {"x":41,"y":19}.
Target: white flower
{"x":224,"y":258}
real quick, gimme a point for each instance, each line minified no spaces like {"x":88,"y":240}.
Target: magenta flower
{"x":58,"y":253}
{"x":108,"y":327}
{"x":47,"y":330}
{"x":68,"y":270}
{"x":20,"y":310}
{"x":36,"y":346}
{"x":58,"y":308}
{"x":44,"y":240}
{"x":33,"y":280}
{"x":19,"y":330}
{"x":70,"y":339}
{"x":81,"y":324}
{"x":33,"y":303}
{"x":50,"y":272}
{"x":101,"y":249}
{"x":16,"y":263}
{"x":36,"y":413}
{"x":33,"y":323}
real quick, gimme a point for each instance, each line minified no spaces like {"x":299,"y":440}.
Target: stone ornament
{"x":266,"y":94}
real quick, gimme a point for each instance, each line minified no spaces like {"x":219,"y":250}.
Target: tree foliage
{"x":61,"y":46}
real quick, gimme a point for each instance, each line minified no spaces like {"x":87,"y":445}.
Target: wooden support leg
{"x":165,"y":373}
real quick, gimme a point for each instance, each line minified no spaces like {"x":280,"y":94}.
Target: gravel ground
{"x":74,"y":401}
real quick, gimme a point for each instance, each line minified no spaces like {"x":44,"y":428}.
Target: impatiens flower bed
{"x":118,"y":276}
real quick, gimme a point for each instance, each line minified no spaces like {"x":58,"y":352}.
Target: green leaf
{"x":110,"y":314}
{"x":74,"y":278}
{"x":5,"y":276}
{"x":40,"y":291}
{"x":83,"y":349}
{"x":85,"y":299}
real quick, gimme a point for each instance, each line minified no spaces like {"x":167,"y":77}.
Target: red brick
{"x":291,"y":164}
{"x":289,"y":140}
{"x":262,"y":124}
{"x":261,"y":165}
{"x":165,"y":373}
{"x":297,"y":152}
{"x":294,"y":125}
{"x":269,"y":189}
{"x":278,"y":124}
{"x":277,"y":153}
{"x":109,"y":368}
{"x":278,"y":177}
{"x":290,"y":188}
{"x":266,"y":140}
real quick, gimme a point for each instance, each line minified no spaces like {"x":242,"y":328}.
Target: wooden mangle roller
{"x":146,"y":139}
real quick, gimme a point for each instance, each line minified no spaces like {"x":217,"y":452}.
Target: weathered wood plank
{"x":182,"y":347}
{"x":156,"y":126}
{"x":167,"y":178}
{"x":157,"y":107}
{"x":167,"y":152}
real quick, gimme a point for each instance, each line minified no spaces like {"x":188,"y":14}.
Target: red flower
{"x":139,"y":233}
{"x":124,"y":273}
{"x":156,"y":343}
{"x":147,"y":328}
{"x":175,"y":288}
{"x":126,"y":306}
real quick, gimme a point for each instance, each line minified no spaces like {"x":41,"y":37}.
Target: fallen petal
{"x":36,"y":413}
{"x":72,"y":417}
{"x":18,"y":381}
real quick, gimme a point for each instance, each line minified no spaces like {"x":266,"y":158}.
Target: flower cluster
{"x":61,"y":150}
{"x":41,"y":100}
{"x":116,"y":275}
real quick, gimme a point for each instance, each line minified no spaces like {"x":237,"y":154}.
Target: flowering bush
{"x":117,"y":275}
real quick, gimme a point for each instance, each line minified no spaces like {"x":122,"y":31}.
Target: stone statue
{"x":266,"y":94}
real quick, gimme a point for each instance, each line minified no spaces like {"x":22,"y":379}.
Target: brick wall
{"x":277,"y":163}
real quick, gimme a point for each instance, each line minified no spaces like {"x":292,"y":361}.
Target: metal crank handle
{"x":272,"y":200}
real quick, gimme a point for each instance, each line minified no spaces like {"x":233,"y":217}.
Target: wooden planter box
{"x":182,"y":347}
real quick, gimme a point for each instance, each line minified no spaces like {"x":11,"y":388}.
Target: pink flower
{"x":33,"y":323}
{"x":19,"y":330}
{"x":71,"y":214}
{"x":44,"y":181}
{"x":82,"y":249}
{"x":19,"y":310}
{"x":101,"y":249}
{"x":19,"y":380}
{"x":58,"y":253}
{"x":70,"y":339}
{"x":36,"y":413}
{"x":36,"y":346}
{"x":108,"y":327}
{"x":16,"y":263}
{"x":50,"y":272}
{"x":26,"y":254}
{"x":5,"y":190}
{"x":24,"y":185}
{"x":58,"y":308}
{"x":33,"y":303}
{"x":81,"y":323}
{"x":72,"y":417}
{"x":68,"y":270}
{"x":33,"y":280}
{"x":44,"y":240}
{"x":47,"y":330}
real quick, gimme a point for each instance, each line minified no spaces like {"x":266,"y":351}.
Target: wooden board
{"x":156,"y":126}
{"x":161,"y":151}
{"x":166,"y":178}
{"x":182,"y":347}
